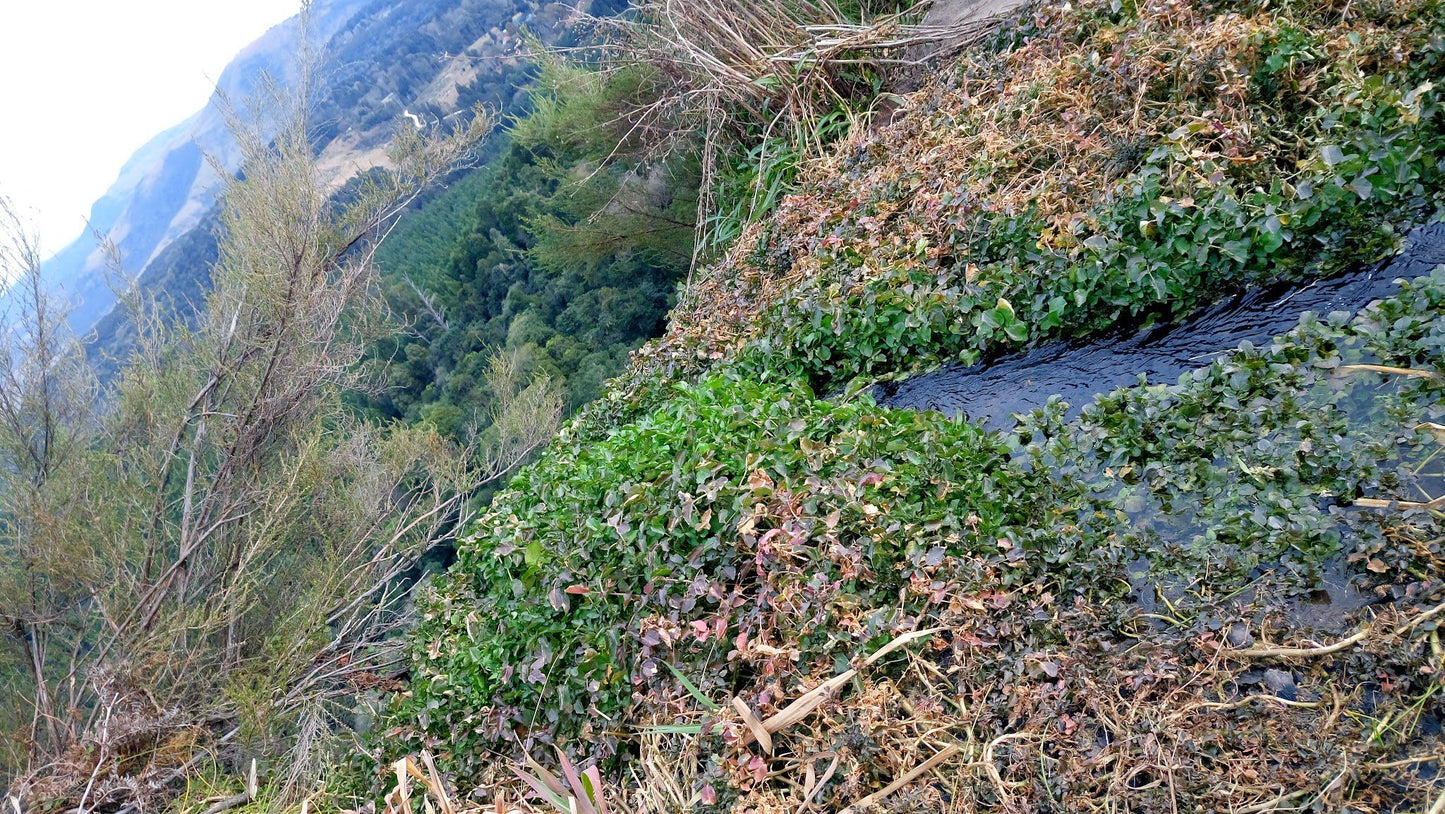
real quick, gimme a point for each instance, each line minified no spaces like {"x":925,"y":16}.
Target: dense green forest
{"x":561,"y":250}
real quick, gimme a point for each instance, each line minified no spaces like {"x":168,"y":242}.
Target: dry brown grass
{"x":777,"y":62}
{"x":1166,"y":721}
{"x":729,"y":75}
{"x":1053,"y":124}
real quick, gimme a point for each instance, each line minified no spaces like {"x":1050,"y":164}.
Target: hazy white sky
{"x":83,"y":83}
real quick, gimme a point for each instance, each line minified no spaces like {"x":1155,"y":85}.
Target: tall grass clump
{"x":755,"y":90}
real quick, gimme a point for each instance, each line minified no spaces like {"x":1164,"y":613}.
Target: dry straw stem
{"x":1276,"y":804}
{"x":1388,"y":370}
{"x":664,"y":778}
{"x":1344,"y":644}
{"x":1000,"y":787}
{"x":1265,"y":699}
{"x":1406,"y":505}
{"x":406,"y":770}
{"x":1302,"y":652}
{"x":809,"y":701}
{"x":755,"y":727}
{"x":1420,"y":619}
{"x":922,"y":769}
{"x":812,"y":784}
{"x":1403,"y":762}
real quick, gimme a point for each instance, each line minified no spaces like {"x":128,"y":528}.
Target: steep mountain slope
{"x":166,"y":187}
{"x":739,"y":584}
{"x":376,"y":61}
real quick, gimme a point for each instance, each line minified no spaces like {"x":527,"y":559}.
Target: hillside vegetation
{"x":200,"y":561}
{"x":733,"y":580}
{"x":437,"y":59}
{"x":564,"y":250}
{"x":1113,"y":605}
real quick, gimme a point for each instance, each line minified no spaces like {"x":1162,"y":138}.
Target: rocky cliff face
{"x":378,"y":61}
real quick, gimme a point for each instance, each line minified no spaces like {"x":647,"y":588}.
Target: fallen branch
{"x":1301,"y":652}
{"x":809,"y":701}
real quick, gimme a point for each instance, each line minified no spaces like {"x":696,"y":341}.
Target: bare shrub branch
{"x":194,"y":576}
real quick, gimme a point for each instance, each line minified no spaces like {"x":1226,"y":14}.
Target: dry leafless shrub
{"x":197,"y":575}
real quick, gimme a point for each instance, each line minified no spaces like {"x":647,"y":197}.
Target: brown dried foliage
{"x":1051,"y":124}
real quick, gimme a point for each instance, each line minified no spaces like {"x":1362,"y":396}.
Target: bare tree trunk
{"x":34,"y":640}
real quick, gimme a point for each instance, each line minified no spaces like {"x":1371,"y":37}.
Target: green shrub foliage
{"x":715,"y":501}
{"x":736,"y":513}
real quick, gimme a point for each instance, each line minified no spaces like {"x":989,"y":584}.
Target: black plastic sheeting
{"x":1078,"y":370}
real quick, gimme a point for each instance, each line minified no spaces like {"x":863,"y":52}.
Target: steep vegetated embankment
{"x":1119,"y":604}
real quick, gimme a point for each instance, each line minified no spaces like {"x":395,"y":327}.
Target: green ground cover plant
{"x":1041,"y":191}
{"x":736,"y":510}
{"x":743,"y":537}
{"x":1118,"y":604}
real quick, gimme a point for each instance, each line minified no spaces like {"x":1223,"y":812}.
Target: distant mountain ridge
{"x":167,"y":186}
{"x":377,"y":60}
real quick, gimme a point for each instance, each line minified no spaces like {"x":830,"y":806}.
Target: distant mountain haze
{"x":167,"y":185}
{"x":379,"y":62}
